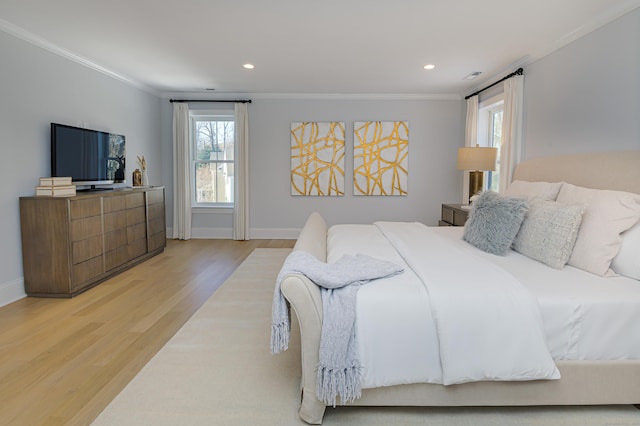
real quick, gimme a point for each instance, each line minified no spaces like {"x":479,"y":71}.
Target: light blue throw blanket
{"x":339,"y":370}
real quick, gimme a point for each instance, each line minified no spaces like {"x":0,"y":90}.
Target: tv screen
{"x":90,"y":157}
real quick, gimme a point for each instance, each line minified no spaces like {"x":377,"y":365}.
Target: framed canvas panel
{"x":380,"y":157}
{"x":317,"y":158}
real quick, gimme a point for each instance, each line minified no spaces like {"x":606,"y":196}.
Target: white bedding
{"x":584,"y":316}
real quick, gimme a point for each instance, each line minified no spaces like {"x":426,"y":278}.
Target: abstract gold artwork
{"x":317,"y":158}
{"x":380,"y":157}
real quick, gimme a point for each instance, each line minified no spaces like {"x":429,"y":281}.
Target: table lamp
{"x":476,"y":160}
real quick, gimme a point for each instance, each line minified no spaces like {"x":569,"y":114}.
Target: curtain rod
{"x":242,"y":101}
{"x":519,"y":71}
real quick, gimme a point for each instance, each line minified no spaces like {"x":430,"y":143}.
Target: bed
{"x":587,"y":375}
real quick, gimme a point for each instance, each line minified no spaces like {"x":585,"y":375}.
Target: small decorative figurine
{"x":137,"y":177}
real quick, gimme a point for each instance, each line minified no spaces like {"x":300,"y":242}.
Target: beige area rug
{"x":217,"y":370}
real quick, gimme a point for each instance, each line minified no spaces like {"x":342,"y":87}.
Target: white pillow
{"x":627,"y":262}
{"x":607,"y":215}
{"x":549,"y":232}
{"x":530,"y":190}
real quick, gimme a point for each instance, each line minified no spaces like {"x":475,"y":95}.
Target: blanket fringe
{"x":333,"y":383}
{"x":280,"y":337}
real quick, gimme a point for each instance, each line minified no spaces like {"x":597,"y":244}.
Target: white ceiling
{"x":303,"y":46}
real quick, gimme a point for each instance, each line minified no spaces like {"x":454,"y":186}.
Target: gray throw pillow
{"x":549,"y":232}
{"x":494,"y":222}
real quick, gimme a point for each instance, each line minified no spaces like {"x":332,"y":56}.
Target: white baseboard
{"x":256,"y":234}
{"x":12,"y":291}
{"x":211,"y":233}
{"x":206,"y":233}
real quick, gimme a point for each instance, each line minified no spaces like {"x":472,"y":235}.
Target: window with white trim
{"x":490,"y":114}
{"x":212,"y":158}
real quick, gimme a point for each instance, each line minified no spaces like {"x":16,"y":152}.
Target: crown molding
{"x":614,"y":12}
{"x":312,"y":96}
{"x":31,"y":38}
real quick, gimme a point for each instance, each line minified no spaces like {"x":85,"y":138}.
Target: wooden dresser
{"x":70,"y":244}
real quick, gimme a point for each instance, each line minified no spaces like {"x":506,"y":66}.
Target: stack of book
{"x":55,"y":187}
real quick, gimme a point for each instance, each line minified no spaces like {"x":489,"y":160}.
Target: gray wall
{"x":37,"y":88}
{"x":585,"y":97}
{"x":435,"y":132}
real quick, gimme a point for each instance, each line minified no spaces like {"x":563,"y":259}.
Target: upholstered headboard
{"x":618,"y":170}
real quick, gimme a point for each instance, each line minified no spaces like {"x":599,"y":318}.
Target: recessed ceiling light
{"x":429,"y":67}
{"x":249,"y":66}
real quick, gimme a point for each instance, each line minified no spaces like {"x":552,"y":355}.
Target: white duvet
{"x":452,"y":317}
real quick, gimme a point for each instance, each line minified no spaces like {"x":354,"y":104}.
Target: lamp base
{"x":476,"y":182}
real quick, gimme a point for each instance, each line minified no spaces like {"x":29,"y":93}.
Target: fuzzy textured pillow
{"x":494,"y":221}
{"x":549,"y":231}
{"x":608,"y":214}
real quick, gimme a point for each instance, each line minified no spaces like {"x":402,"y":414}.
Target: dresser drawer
{"x":137,"y":248}
{"x":115,"y":239}
{"x":135,"y":216}
{"x":88,"y":227}
{"x":115,"y":220}
{"x":115,"y":258}
{"x":86,"y":271}
{"x":157,"y":241}
{"x":156,"y":211}
{"x":114,"y":203}
{"x":86,"y":249}
{"x":85,"y":208}
{"x":136,"y":232}
{"x":155,"y":197}
{"x":134,"y":200}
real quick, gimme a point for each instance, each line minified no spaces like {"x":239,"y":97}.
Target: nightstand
{"x":453,"y":215}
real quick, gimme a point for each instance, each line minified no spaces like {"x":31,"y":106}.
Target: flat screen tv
{"x":90,"y":157}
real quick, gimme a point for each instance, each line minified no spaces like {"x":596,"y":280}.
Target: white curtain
{"x":470,"y":139}
{"x":511,"y":147}
{"x":241,"y":174}
{"x":181,"y":169}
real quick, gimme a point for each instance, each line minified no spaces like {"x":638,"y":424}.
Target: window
{"x":212,"y":159}
{"x":490,"y":134}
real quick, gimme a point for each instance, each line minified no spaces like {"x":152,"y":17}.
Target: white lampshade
{"x":477,"y":158}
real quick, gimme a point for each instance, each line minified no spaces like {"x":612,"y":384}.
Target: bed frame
{"x":582,"y":383}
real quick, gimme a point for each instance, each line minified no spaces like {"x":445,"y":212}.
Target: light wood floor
{"x":63,"y":360}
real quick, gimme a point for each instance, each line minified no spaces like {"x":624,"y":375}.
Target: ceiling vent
{"x":472,"y":75}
